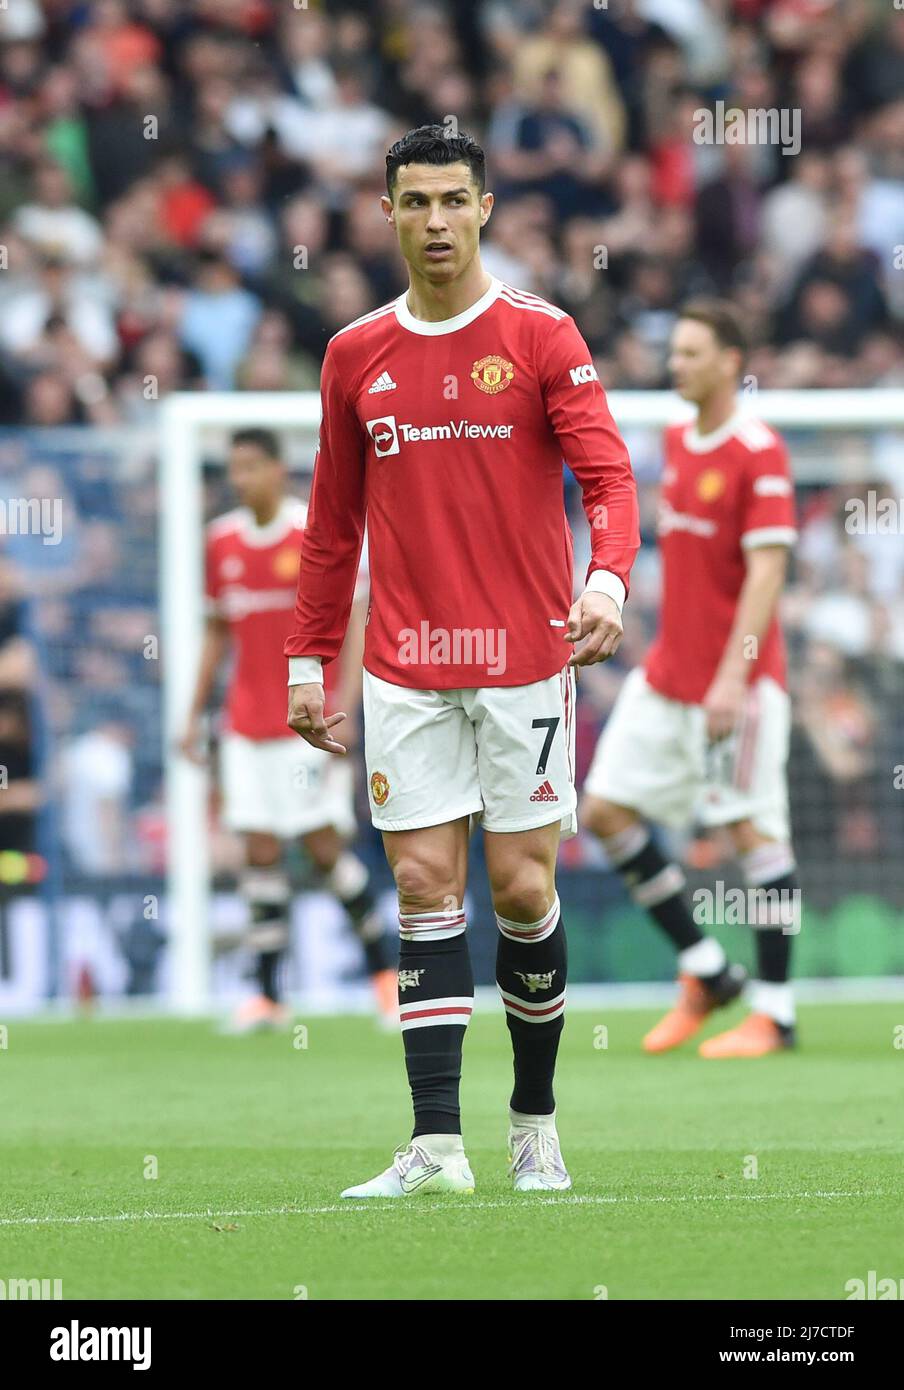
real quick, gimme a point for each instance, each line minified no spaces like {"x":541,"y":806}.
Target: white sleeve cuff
{"x":605,"y":582}
{"x":768,"y":535}
{"x":305,"y":670}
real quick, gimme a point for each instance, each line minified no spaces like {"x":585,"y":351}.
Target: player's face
{"x":437,"y":212}
{"x":698,"y":364}
{"x":256,"y":479}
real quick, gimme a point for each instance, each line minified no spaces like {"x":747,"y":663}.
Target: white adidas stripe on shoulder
{"x":222,"y":525}
{"x":532,"y":308}
{"x":532,"y":298}
{"x":756,"y":434}
{"x":520,"y":299}
{"x":366,"y":318}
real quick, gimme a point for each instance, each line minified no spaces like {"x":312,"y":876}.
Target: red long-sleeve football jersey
{"x":448,"y":438}
{"x":722,"y":495}
{"x":251,"y":574}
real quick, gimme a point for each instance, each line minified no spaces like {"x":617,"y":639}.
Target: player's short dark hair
{"x":259,"y":438}
{"x":429,"y":144}
{"x":722,"y":317}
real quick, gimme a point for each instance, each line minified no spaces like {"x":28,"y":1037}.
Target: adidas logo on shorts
{"x":544,"y":793}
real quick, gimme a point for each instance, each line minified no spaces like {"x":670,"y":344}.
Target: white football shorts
{"x":285,"y":787}
{"x":654,"y":756}
{"x":502,"y":753}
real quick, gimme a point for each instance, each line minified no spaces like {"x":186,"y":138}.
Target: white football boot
{"x":535,"y":1159}
{"x":430,"y":1163}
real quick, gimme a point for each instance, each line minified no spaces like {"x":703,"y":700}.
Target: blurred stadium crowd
{"x":188,"y":186}
{"x":189,"y":200}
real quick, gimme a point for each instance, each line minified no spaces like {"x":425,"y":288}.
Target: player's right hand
{"x":306,"y":717}
{"x":192,"y":744}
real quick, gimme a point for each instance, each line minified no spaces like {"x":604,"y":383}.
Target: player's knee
{"x":525,"y":894}
{"x":604,"y":818}
{"x":324,"y":847}
{"x":262,"y":850}
{"x":424,"y":884}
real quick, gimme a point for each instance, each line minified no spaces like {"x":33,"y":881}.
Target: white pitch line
{"x":382,"y":1204}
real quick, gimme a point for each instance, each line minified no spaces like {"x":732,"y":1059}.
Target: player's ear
{"x":486,"y":207}
{"x":386,"y":205}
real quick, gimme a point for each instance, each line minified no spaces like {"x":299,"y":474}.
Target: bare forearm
{"x":21,"y":795}
{"x":352,"y":659}
{"x":216,"y":641}
{"x":757,"y":604}
{"x":17,"y":664}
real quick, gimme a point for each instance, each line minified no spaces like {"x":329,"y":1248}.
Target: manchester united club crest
{"x":710,"y":485}
{"x":492,"y":374}
{"x":379,"y":787}
{"x":535,"y":982}
{"x":285,"y":563}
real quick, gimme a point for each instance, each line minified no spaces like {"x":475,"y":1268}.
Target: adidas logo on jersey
{"x":384,"y":382}
{"x":544,"y":793}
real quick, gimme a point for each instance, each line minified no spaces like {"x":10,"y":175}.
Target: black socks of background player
{"x":658,"y":886}
{"x":436,"y":997}
{"x":349,"y":880}
{"x":266,"y":894}
{"x":774,"y":914}
{"x":531,"y":965}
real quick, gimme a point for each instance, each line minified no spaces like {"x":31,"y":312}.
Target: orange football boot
{"x":755,"y":1037}
{"x":258,"y":1013}
{"x":386,"y":991}
{"x":696,"y":1001}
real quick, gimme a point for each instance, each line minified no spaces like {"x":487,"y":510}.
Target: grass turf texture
{"x":656,"y":1147}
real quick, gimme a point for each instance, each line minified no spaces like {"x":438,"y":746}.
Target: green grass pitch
{"x":254,"y":1138}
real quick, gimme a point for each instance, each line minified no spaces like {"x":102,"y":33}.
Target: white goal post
{"x":183,"y":417}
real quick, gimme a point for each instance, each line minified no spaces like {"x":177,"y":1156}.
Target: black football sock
{"x":531,"y":968}
{"x":266,"y":892}
{"x":436,"y":997}
{"x":350,"y":881}
{"x":774,"y":914}
{"x":657,"y":886}
{"x":268,"y":974}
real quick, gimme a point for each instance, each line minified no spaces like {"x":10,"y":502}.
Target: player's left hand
{"x":595,"y":622}
{"x":724,"y":705}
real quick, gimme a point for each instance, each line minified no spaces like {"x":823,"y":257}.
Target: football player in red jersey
{"x":275,"y":787}
{"x":701,"y":731}
{"x":446,"y":417}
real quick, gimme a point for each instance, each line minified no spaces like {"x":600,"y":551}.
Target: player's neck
{"x":434,"y":303}
{"x":266,"y":512}
{"x":713,"y":413}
